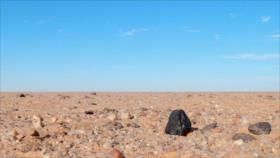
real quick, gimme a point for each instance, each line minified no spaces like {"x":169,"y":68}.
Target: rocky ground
{"x":90,"y":125}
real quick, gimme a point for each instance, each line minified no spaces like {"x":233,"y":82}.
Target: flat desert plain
{"x":91,"y":125}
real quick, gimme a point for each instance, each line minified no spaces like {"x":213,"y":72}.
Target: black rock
{"x":243,"y":136}
{"x":260,"y":128}
{"x":21,"y":95}
{"x":35,"y":133}
{"x":89,"y":112}
{"x":178,"y":123}
{"x":210,"y":126}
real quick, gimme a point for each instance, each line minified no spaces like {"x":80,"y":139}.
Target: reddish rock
{"x":117,"y":154}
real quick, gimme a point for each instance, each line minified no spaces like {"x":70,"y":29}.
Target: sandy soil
{"x":56,"y":125}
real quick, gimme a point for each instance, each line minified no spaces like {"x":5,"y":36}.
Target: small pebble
{"x":210,"y":126}
{"x":238,"y":142}
{"x":260,"y":128}
{"x":244,"y":137}
{"x":125,"y":115}
{"x":22,"y":95}
{"x":112,"y":117}
{"x":89,"y":112}
{"x":35,"y":133}
{"x":37,"y":121}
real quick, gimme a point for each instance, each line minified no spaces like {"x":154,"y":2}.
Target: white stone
{"x":112,"y":117}
{"x":37,"y":121}
{"x":125,"y":115}
{"x":238,"y":142}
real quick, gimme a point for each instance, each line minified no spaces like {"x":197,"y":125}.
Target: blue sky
{"x":140,"y":46}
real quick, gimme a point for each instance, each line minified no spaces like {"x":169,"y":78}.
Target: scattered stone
{"x":178,"y":123}
{"x":244,"y":137}
{"x":89,"y":112}
{"x":144,"y":109}
{"x":110,"y":144}
{"x":96,"y":131}
{"x":260,"y":128}
{"x":117,"y":154}
{"x":269,"y":97}
{"x":69,"y":132}
{"x":37,"y":121}
{"x":14,"y":134}
{"x":107,"y":110}
{"x":35,"y":133}
{"x":112,"y":117}
{"x":107,"y":145}
{"x":22,"y":95}
{"x":54,"y":119}
{"x":210,"y":126}
{"x":114,"y":125}
{"x":125,"y":115}
{"x":63,"y":97}
{"x":93,"y":93}
{"x":118,"y":125}
{"x":238,"y":142}
{"x":93,"y":104}
{"x":133,"y":125}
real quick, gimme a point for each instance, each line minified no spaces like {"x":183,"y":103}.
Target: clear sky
{"x":140,"y":46}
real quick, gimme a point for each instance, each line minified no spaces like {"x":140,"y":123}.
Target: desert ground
{"x":92,"y":125}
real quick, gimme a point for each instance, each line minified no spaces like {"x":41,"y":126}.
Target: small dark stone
{"x":93,"y":93}
{"x":93,"y":104}
{"x":118,"y":125}
{"x":114,"y":126}
{"x":210,"y":126}
{"x":22,"y":95}
{"x":193,"y":122}
{"x":133,"y":125}
{"x":63,"y":97}
{"x":260,"y":128}
{"x":35,"y":133}
{"x":89,"y":112}
{"x":178,"y":123}
{"x":243,"y":136}
{"x":270,"y":97}
{"x":144,"y":109}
